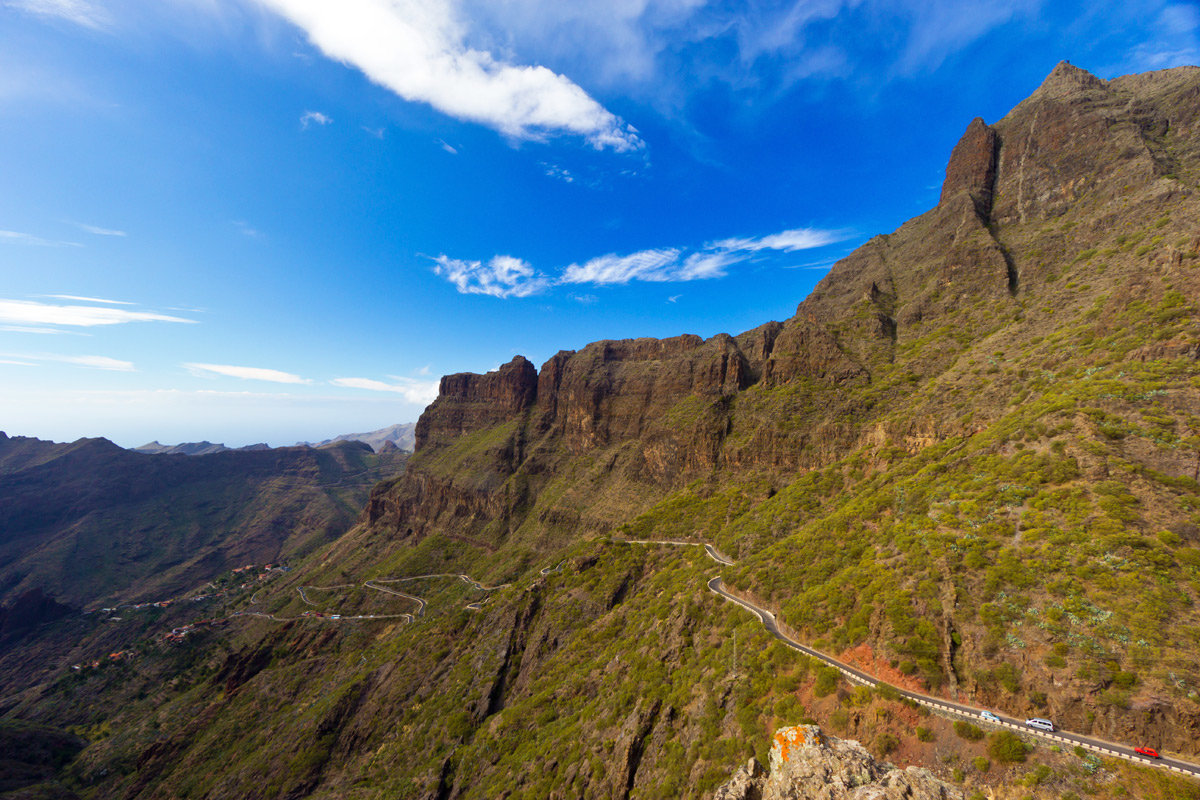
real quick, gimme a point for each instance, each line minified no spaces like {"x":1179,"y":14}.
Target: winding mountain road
{"x":767,"y":618}
{"x":717,"y":586}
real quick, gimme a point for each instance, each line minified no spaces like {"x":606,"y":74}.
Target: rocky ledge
{"x":806,"y":764}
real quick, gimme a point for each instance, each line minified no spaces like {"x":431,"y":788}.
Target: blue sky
{"x":277,"y":220}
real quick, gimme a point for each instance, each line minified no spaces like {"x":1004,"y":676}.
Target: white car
{"x":989,"y":716}
{"x":1040,"y":724}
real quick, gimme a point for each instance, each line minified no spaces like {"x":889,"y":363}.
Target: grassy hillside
{"x":968,"y":464}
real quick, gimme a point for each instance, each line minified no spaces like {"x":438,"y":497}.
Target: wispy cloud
{"x":1174,"y":40}
{"x":787,"y":241}
{"x":98,"y":231}
{"x":76,"y":11}
{"x":414,"y":391}
{"x":646,"y":265}
{"x":98,"y":362}
{"x":34,"y":329}
{"x":31,"y":312}
{"x":89,"y":299}
{"x":245,"y":373}
{"x":91,"y":362}
{"x":314,"y":118}
{"x":16,"y":237}
{"x":555,"y":171}
{"x":452,"y":150}
{"x":506,"y":276}
{"x":418,"y":50}
{"x":246,"y":228}
{"x":502,"y":276}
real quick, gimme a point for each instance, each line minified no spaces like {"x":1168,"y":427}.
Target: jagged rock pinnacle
{"x":1066,"y":79}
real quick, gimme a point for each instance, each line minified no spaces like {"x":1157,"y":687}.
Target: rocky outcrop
{"x":972,"y":166}
{"x":468,"y":402}
{"x":807,"y":764}
{"x":1078,"y":135}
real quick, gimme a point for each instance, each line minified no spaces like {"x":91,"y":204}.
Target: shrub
{"x":827,"y":680}
{"x":1006,"y":747}
{"x":885,"y":743}
{"x":925,"y":735}
{"x":887,"y":691}
{"x":966,"y":730}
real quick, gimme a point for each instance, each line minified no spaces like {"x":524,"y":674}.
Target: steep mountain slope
{"x":92,"y":523}
{"x":968,"y":463}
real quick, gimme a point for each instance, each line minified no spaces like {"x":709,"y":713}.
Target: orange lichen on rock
{"x":786,"y":738}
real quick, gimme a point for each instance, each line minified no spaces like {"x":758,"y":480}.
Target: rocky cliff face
{"x":796,"y":395}
{"x":807,"y":764}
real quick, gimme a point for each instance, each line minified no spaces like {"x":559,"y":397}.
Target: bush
{"x":1006,"y":747}
{"x":982,"y":764}
{"x":887,"y":691}
{"x":886,"y":743}
{"x":827,"y":680}
{"x":967,"y":731}
{"x":925,"y":735}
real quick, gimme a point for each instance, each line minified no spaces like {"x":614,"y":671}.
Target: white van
{"x":1040,"y":724}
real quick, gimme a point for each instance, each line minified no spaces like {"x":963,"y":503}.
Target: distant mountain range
{"x":400,"y":436}
{"x":88,"y":521}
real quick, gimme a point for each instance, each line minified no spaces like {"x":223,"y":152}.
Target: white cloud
{"x":16,"y":237}
{"x":448,"y":148}
{"x":92,"y":362}
{"x":314,"y":118}
{"x":32,"y":329}
{"x":1175,"y":41}
{"x":17,"y":363}
{"x":555,"y":171}
{"x":245,"y":228}
{"x":417,"y":49}
{"x":89,"y":299}
{"x":376,"y":132}
{"x":414,"y":391}
{"x":98,"y":231}
{"x":30,"y":312}
{"x":787,"y":241}
{"x":245,"y":373}
{"x":502,"y":276}
{"x":97,"y":362}
{"x":77,"y":11}
{"x":505,"y":276}
{"x":645,"y":265}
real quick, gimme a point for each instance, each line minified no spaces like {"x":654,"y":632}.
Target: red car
{"x":1147,"y":751}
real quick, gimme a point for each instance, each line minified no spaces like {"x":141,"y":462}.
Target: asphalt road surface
{"x":857,"y":676}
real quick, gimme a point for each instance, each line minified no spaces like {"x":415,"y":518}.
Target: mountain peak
{"x":1066,"y":79}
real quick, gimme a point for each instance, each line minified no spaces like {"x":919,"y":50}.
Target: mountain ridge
{"x":968,"y":462}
